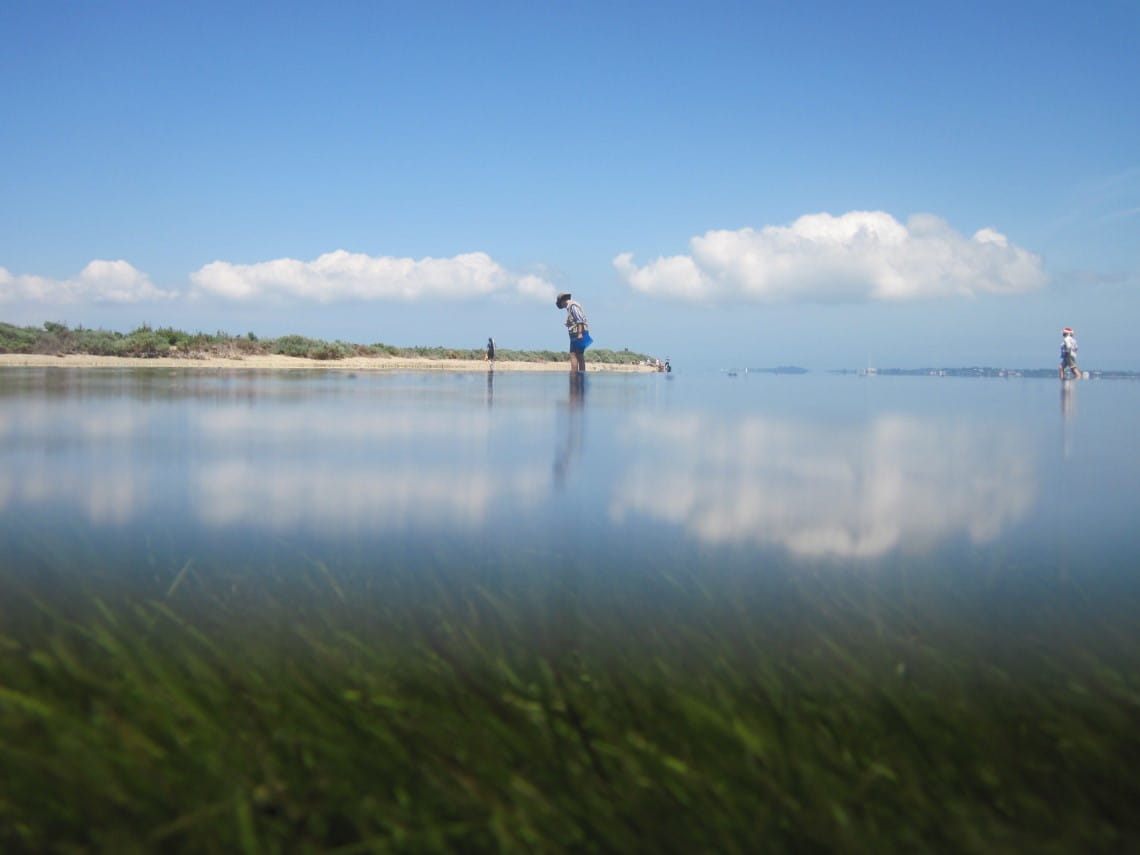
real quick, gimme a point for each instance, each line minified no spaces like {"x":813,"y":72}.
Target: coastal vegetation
{"x":146,"y":341}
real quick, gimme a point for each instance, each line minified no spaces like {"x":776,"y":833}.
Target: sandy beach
{"x":293,"y":363}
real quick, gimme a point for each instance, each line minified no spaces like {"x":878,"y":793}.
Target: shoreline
{"x":276,"y":362}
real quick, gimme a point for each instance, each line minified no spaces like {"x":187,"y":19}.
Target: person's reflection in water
{"x":1068,"y":410}
{"x":565,"y":606}
{"x":571,"y":445}
{"x":490,"y":386}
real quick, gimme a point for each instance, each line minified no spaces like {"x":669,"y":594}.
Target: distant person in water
{"x":1068,"y":354}
{"x":490,"y":355}
{"x":579,"y":330}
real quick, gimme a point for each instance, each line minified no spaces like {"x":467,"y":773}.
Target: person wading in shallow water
{"x":1068,"y":354}
{"x":579,"y":330}
{"x":489,"y":356}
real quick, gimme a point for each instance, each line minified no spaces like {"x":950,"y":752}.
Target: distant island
{"x":971,"y":371}
{"x":54,"y":339}
{"x":987,"y":371}
{"x":782,"y":369}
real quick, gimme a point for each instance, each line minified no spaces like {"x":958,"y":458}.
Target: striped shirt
{"x":576,"y":319}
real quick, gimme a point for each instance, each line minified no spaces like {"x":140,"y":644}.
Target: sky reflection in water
{"x":810,"y":468}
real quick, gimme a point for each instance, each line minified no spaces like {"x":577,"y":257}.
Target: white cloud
{"x":99,"y":282}
{"x":858,"y":256}
{"x":535,"y":286}
{"x":342,"y":275}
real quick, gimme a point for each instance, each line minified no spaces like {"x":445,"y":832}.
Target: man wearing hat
{"x":1068,"y":354}
{"x":579,"y":331}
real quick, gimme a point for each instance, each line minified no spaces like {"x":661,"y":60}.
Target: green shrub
{"x":335,"y":350}
{"x":17,"y":339}
{"x":56,"y":337}
{"x":295,"y":345}
{"x":98,"y":342}
{"x":143,"y":342}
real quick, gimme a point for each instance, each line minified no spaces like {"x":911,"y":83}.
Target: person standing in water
{"x":1068,"y":354}
{"x":579,"y":330}
{"x":490,"y":355}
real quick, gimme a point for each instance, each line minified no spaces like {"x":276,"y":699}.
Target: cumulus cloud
{"x":342,"y":275}
{"x":858,"y":256}
{"x":99,"y":282}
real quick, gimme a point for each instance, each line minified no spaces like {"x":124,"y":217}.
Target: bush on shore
{"x":58,"y":339}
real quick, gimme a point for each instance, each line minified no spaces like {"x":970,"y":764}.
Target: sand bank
{"x":280,"y":363}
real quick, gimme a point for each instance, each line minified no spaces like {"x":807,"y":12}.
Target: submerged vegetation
{"x":372,"y":709}
{"x":55,"y":338}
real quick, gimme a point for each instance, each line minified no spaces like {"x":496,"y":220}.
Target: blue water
{"x":141,"y":471}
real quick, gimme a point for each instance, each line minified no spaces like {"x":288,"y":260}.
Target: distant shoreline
{"x":278,"y":362}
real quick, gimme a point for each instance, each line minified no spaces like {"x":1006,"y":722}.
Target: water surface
{"x":145,"y":470}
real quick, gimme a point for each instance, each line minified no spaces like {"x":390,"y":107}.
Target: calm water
{"x":142,"y":471}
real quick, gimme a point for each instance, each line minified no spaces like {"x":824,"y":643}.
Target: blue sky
{"x":727,"y":184}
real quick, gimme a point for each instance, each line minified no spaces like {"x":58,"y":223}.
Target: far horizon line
{"x":941,"y":371}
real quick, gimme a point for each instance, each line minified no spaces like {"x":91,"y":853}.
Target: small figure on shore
{"x":489,"y":356}
{"x":579,"y":330}
{"x":1068,"y":354}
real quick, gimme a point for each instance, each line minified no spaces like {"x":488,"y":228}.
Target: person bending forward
{"x":578,"y":327}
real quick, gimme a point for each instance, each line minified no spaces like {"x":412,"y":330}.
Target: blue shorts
{"x":579,"y":345}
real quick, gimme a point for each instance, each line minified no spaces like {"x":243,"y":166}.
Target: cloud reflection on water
{"x":817,"y":489}
{"x":361,"y":469}
{"x":372,"y":470}
{"x":361,"y":463}
{"x":382,"y":497}
{"x":62,"y":455}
